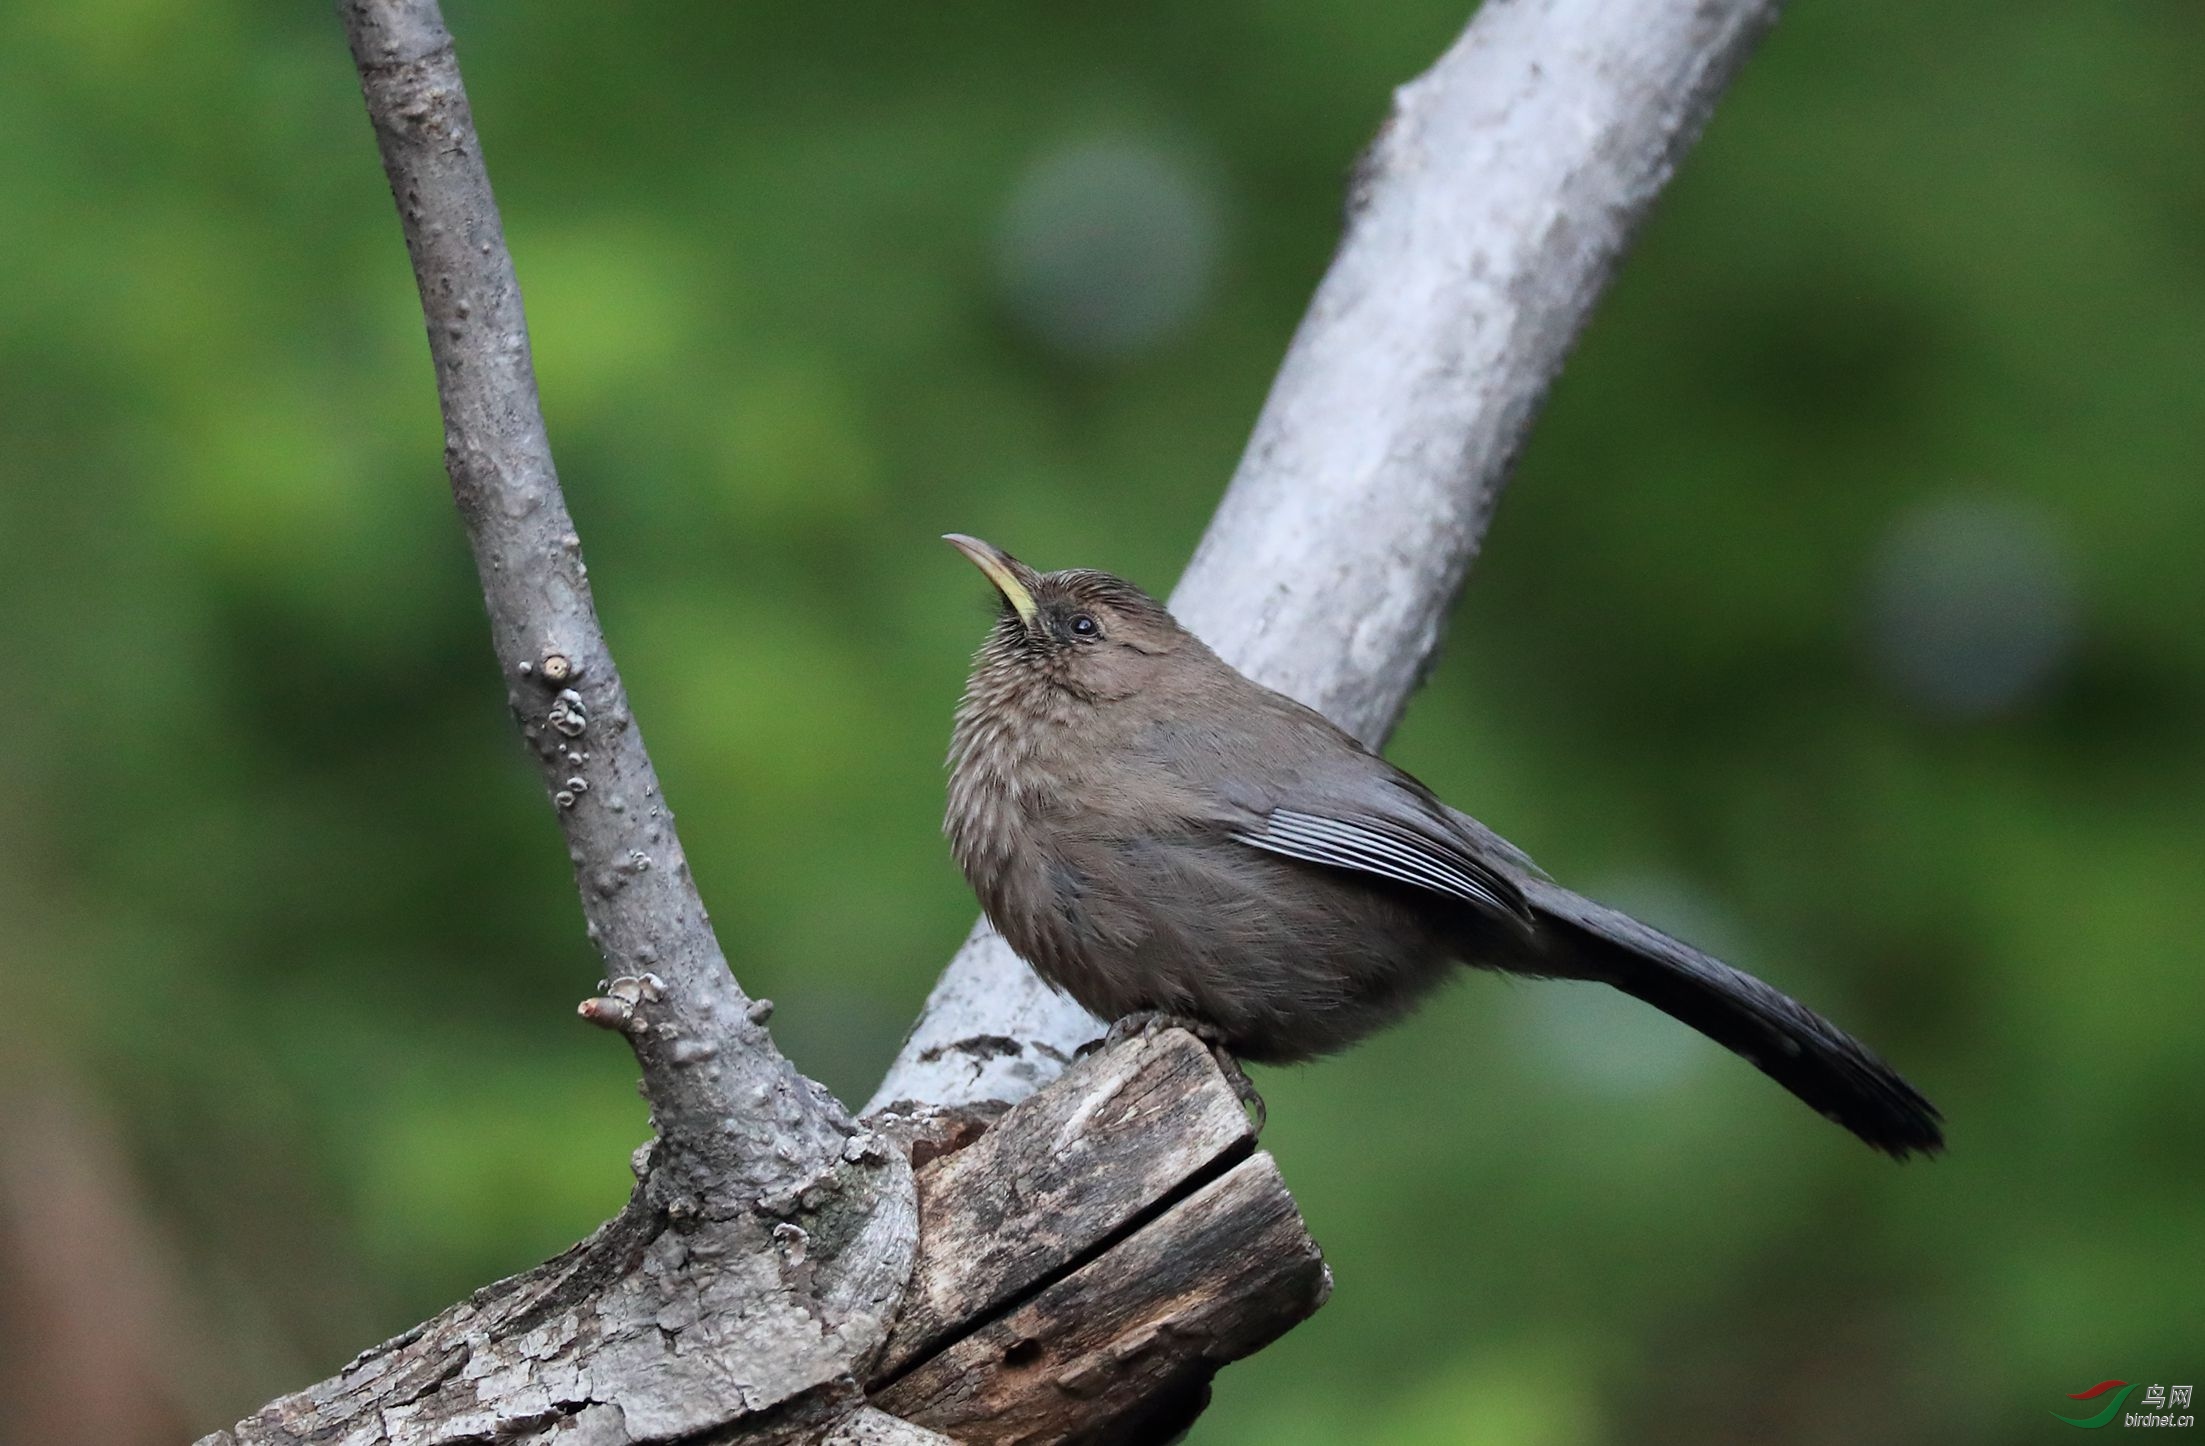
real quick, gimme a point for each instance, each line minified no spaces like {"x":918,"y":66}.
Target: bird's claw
{"x":1148,"y":1023}
{"x":1244,"y":1088}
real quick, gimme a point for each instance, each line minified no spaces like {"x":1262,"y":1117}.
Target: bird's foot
{"x":1148,"y":1023}
{"x":1244,"y":1088}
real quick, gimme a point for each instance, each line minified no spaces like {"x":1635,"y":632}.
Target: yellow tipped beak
{"x":1002,"y":570}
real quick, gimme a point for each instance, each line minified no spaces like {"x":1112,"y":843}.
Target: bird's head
{"x":1094,"y":635}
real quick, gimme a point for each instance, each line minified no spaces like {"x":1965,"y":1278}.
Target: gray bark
{"x":651,"y":1330}
{"x":868,"y":1427}
{"x":1079,"y":1270}
{"x":1483,"y":223}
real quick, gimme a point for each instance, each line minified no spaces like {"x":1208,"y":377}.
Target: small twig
{"x":1483,"y":224}
{"x":735,"y":1120}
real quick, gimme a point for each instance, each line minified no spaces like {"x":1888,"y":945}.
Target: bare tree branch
{"x":760,"y":1264}
{"x":1483,"y":224}
{"x":733,"y":1117}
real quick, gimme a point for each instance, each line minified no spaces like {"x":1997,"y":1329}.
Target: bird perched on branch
{"x":1168,"y":841}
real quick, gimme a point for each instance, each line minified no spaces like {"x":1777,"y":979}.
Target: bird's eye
{"x":1084,"y":626}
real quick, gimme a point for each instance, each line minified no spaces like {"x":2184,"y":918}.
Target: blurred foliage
{"x":279,"y":896}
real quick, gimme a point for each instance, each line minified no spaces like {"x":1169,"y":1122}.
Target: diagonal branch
{"x":734,"y":1119}
{"x":1483,"y":224}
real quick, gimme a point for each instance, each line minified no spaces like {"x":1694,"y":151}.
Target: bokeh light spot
{"x":1972,"y":610}
{"x":1108,"y":246}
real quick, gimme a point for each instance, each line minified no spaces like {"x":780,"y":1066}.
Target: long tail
{"x":1790,"y":1043}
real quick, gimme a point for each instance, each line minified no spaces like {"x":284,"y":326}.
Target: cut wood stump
{"x":1086,"y":1265}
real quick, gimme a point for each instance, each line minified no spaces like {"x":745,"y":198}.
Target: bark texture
{"x":1482,"y":224}
{"x":868,"y":1427}
{"x":654,"y":1329}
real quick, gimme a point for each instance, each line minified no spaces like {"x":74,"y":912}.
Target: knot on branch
{"x":618,"y":1005}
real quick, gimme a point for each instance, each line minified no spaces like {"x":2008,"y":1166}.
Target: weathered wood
{"x":1088,"y":1264}
{"x":1123,"y":1348}
{"x":870,"y":1427}
{"x":1059,"y":1177}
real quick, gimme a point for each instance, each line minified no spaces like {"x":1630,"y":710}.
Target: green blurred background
{"x":1844,"y":615}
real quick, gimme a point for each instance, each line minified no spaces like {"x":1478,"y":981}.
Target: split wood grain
{"x":1123,"y":1349}
{"x":1058,"y":1177}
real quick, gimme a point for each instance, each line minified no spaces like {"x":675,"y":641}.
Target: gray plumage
{"x":1154,"y":832}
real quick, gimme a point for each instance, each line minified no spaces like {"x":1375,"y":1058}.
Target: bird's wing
{"x":1490,"y":845}
{"x":1299,"y":788}
{"x":1383,"y":850}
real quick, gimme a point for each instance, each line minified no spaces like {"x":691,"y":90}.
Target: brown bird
{"x":1166,"y":840}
